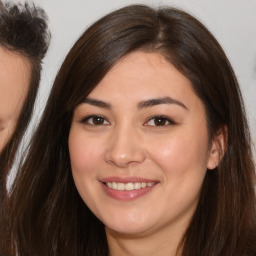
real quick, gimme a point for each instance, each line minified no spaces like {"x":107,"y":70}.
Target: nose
{"x":125,"y":148}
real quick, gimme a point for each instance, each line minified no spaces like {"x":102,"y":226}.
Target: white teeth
{"x":137,"y":185}
{"x":114,"y":185}
{"x":128,"y":186}
{"x":120,"y":186}
{"x":143,"y":184}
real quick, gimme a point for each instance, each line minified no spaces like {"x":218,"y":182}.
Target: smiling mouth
{"x":128,"y":186}
{"x":127,"y":189}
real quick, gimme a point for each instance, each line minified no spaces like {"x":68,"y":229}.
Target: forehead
{"x":141,"y":76}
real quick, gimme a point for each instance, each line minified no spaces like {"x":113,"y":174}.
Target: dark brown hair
{"x":48,"y":216}
{"x":23,"y":30}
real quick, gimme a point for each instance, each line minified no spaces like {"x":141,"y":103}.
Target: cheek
{"x":84,"y":154}
{"x":84,"y":157}
{"x":7,"y":132}
{"x":183,"y":164}
{"x":180,"y":155}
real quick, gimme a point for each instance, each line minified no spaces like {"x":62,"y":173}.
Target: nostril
{"x":123,"y":160}
{"x":124,"y":150}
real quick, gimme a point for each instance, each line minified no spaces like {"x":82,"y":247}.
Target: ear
{"x":218,"y":148}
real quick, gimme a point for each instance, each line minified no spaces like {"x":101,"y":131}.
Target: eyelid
{"x":86,"y":118}
{"x":168,"y":119}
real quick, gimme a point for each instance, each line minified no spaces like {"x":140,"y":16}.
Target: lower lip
{"x":127,"y":195}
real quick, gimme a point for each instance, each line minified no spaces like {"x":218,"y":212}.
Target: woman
{"x":143,"y":148}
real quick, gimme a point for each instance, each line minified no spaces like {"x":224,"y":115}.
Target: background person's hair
{"x":49,"y":217}
{"x":23,"y":30}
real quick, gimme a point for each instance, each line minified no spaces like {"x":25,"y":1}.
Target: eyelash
{"x":162,"y":118}
{"x":99,"y":117}
{"x":103,"y":121}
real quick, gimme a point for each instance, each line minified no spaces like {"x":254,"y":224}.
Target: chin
{"x":131,"y":228}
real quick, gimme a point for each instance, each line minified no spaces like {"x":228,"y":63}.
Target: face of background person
{"x":14,"y":84}
{"x":139,"y":148}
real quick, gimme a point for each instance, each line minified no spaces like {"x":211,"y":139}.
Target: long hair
{"x":23,"y":30}
{"x":48,"y":216}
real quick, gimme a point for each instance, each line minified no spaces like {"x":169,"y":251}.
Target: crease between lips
{"x":130,"y":193}
{"x":127,"y":183}
{"x":127,"y":180}
{"x":128,"y":186}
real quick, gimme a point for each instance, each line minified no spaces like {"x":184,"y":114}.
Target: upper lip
{"x":126,"y":179}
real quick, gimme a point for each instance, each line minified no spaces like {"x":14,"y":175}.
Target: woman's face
{"x":139,"y":147}
{"x":14,"y":84}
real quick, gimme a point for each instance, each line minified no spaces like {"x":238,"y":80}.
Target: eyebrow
{"x":159,"y":101}
{"x":140,"y":105}
{"x":97,"y":103}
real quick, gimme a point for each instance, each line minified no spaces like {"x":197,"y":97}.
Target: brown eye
{"x":159,"y":121}
{"x":95,"y":120}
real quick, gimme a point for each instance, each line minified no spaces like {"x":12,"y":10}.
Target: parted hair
{"x":23,"y":30}
{"x":48,"y":216}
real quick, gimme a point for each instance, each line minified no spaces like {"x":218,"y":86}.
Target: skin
{"x":14,"y":84}
{"x":127,"y":142}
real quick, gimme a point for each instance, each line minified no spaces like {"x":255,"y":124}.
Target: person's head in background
{"x":24,"y":40}
{"x":65,"y":201}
